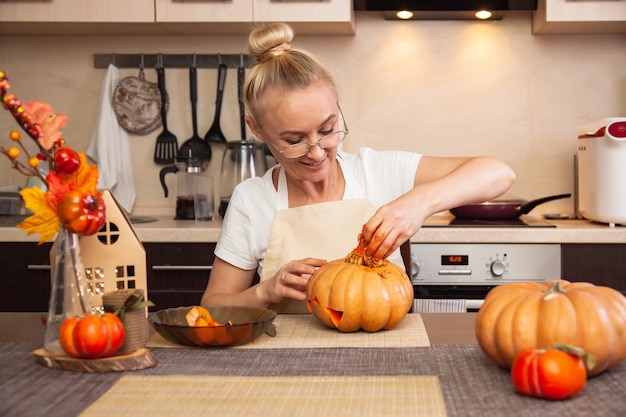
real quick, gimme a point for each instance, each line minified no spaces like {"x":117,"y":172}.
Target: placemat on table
{"x":305,"y":331}
{"x":296,"y":396}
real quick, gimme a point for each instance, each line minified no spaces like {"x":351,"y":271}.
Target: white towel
{"x":110,"y":147}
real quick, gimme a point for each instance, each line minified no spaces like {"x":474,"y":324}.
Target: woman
{"x":292,"y":106}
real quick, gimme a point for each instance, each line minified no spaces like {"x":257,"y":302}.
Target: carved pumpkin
{"x":360,"y":292}
{"x":524,"y":315}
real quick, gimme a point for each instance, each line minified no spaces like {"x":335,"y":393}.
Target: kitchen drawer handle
{"x":182,"y":267}
{"x":38,"y":267}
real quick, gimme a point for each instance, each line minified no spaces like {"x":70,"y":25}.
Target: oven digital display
{"x":454,"y":260}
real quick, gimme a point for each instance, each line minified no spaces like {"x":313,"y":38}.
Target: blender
{"x":241,"y":160}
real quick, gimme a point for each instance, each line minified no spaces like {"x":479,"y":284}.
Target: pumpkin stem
{"x":359,"y":257}
{"x":588,"y":358}
{"x":555,"y":286}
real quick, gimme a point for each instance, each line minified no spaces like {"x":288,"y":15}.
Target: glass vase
{"x":68,"y":292}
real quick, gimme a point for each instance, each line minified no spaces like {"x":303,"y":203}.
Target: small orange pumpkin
{"x":360,"y":292}
{"x":536,"y":315}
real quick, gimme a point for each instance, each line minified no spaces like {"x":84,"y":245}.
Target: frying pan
{"x":501,"y":209}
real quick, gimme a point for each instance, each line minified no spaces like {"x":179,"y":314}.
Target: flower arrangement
{"x":71,"y":198}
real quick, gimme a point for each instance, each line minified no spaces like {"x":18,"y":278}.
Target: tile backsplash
{"x":437,"y":87}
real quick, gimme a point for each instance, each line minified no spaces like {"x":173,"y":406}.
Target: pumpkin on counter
{"x":360,"y":292}
{"x":536,"y":315}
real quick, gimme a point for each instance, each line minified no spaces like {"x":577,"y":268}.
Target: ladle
{"x":194,"y":147}
{"x":215,"y":132}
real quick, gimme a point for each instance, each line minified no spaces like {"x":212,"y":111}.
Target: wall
{"x":438,"y":87}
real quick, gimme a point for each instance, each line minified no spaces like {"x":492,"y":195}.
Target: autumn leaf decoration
{"x":40,"y":122}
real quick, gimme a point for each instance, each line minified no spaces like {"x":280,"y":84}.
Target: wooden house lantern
{"x":113,"y":258}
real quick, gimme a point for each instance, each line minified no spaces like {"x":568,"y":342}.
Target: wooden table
{"x":471,"y":384}
{"x":450,"y":328}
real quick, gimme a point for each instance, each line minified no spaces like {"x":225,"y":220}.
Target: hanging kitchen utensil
{"x":501,"y":209}
{"x":166,"y":147}
{"x":137,"y":104}
{"x":241,"y":77}
{"x":215,"y":132}
{"x":242,"y":159}
{"x":194,"y":147}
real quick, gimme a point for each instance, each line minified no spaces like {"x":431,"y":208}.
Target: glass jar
{"x":68,"y":292}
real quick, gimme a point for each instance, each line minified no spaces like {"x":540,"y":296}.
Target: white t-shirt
{"x":383,"y":176}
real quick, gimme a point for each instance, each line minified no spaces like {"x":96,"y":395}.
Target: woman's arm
{"x":445,"y":183}
{"x":440,"y":184}
{"x":229,"y":285}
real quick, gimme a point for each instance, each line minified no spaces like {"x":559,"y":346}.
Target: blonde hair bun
{"x":268,"y":42}
{"x":279,"y":66}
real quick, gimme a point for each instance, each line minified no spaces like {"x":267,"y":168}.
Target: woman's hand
{"x":229,"y":285}
{"x":391,"y":226}
{"x":439,"y":184}
{"x":291,"y":280}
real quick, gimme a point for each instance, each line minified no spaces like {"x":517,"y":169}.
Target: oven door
{"x":449,"y":298}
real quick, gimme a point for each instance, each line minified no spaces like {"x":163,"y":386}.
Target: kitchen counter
{"x":166,"y":229}
{"x":467,"y":381}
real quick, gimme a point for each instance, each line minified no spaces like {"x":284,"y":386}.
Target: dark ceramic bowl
{"x":244,"y":325}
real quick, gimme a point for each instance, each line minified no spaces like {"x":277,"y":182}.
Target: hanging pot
{"x":501,"y":209}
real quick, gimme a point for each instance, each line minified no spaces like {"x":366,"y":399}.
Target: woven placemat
{"x":295,"y":396}
{"x":305,"y":331}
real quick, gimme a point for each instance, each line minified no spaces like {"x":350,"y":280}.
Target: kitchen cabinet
{"x":306,"y":16}
{"x":600,"y":264}
{"x":178,"y":272}
{"x":62,"y":11}
{"x":579,"y":16}
{"x":173,"y":17}
{"x":24,"y":276}
{"x":204,"y":11}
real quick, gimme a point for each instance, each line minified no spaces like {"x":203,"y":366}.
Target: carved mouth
{"x":335,"y":315}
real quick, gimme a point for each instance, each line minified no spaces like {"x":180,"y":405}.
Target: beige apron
{"x":326,"y":230}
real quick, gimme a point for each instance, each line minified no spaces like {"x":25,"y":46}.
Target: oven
{"x":456,"y":277}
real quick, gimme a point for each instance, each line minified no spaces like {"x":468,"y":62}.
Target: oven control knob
{"x":415,"y":267}
{"x":498,"y":268}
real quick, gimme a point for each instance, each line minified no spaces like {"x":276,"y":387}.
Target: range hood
{"x":444,"y":5}
{"x":444,"y":9}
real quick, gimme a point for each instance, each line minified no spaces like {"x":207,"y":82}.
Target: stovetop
{"x":522,"y":221}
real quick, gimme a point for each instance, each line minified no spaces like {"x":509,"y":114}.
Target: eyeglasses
{"x":329,"y":140}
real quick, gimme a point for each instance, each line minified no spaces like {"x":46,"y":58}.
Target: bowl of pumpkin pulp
{"x":212,"y":326}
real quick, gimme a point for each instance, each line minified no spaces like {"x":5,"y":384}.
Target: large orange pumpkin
{"x":536,"y":315}
{"x":360,"y":292}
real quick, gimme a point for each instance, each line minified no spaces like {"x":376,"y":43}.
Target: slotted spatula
{"x":166,"y":147}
